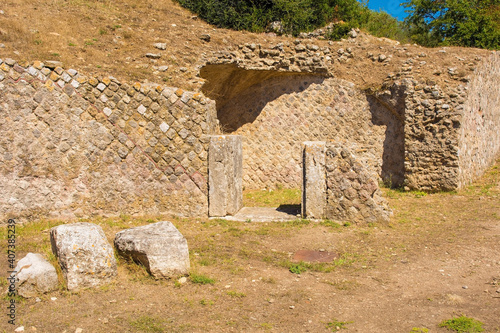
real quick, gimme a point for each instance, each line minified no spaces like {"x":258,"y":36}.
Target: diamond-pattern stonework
{"x":329,"y":109}
{"x":89,"y":150}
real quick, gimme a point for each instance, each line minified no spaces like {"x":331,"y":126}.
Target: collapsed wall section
{"x":72,"y":145}
{"x":479,"y":134}
{"x":339,"y":185}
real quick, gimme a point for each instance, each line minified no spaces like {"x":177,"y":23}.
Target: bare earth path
{"x":438,"y":258}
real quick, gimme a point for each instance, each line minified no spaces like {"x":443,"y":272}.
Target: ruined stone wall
{"x":479,"y":135}
{"x":432,"y":120}
{"x":352,"y":191}
{"x":306,"y":108}
{"x":451,"y":132}
{"x":76,"y":145}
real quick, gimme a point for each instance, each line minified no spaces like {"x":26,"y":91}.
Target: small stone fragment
{"x":35,"y":275}
{"x":160,"y":46}
{"x":153,"y":55}
{"x":205,"y":37}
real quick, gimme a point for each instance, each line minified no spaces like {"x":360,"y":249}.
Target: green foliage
{"x":419,"y":330}
{"x":473,"y":23}
{"x":148,"y":324}
{"x":298,"y":268}
{"x":381,"y":24}
{"x":295,"y":15}
{"x":200,"y":279}
{"x":236,"y":294}
{"x":463,"y":324}
{"x":336,"y":325}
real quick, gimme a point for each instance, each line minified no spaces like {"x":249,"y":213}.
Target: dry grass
{"x":112,"y":38}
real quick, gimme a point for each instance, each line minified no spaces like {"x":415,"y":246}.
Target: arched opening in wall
{"x":241,"y":97}
{"x":241,"y":94}
{"x":388,"y":109}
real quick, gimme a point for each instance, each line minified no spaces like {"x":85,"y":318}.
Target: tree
{"x":474,"y":23}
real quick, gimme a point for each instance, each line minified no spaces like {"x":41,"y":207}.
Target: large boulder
{"x":160,"y":247}
{"x":35,"y":276}
{"x":84,"y":253}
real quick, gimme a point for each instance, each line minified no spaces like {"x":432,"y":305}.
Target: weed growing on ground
{"x":331,"y":224}
{"x":148,"y":324}
{"x":419,"y":330}
{"x":463,"y":324}
{"x":298,"y":268}
{"x":206,"y":302}
{"x":236,"y":294}
{"x":200,"y":278}
{"x":336,"y":325}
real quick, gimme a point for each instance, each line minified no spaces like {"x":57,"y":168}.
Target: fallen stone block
{"x":160,"y":247}
{"x":85,"y":255}
{"x":35,"y":276}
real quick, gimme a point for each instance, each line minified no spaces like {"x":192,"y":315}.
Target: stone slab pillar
{"x":225,"y":175}
{"x":313,"y":179}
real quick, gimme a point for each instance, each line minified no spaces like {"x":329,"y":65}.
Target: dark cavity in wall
{"x":388,"y":109}
{"x":241,"y":94}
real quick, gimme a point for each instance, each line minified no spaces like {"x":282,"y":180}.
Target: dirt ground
{"x":438,"y":258}
{"x":107,"y":37}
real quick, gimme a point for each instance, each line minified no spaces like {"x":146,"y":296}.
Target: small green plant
{"x":347,"y":224}
{"x":463,"y":324}
{"x":38,"y":42}
{"x":419,"y":330}
{"x":71,"y":44}
{"x":298,"y":268}
{"x":148,"y":324}
{"x":266,"y":326}
{"x":200,"y":279}
{"x":206,"y":302}
{"x":336,"y":325}
{"x":331,"y":224}
{"x":236,"y":294}
{"x":102,"y":31}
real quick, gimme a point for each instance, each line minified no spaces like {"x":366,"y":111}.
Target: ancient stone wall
{"x":339,"y":185}
{"x":432,"y":120}
{"x":479,"y":134}
{"x":353,"y":193}
{"x":450,"y":132}
{"x":76,"y":145}
{"x":292,"y":111}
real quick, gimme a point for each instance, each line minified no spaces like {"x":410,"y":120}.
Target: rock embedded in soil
{"x":85,"y":255}
{"x":153,"y":55}
{"x":35,"y":275}
{"x":160,"y":247}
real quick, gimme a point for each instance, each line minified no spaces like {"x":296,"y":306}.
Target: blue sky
{"x":390,"y":6}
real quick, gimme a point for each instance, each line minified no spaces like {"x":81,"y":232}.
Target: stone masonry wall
{"x":352,"y":191}
{"x":479,"y":134}
{"x":450,"y":133}
{"x":432,"y":120}
{"x":305,"y":110}
{"x":76,"y":145}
